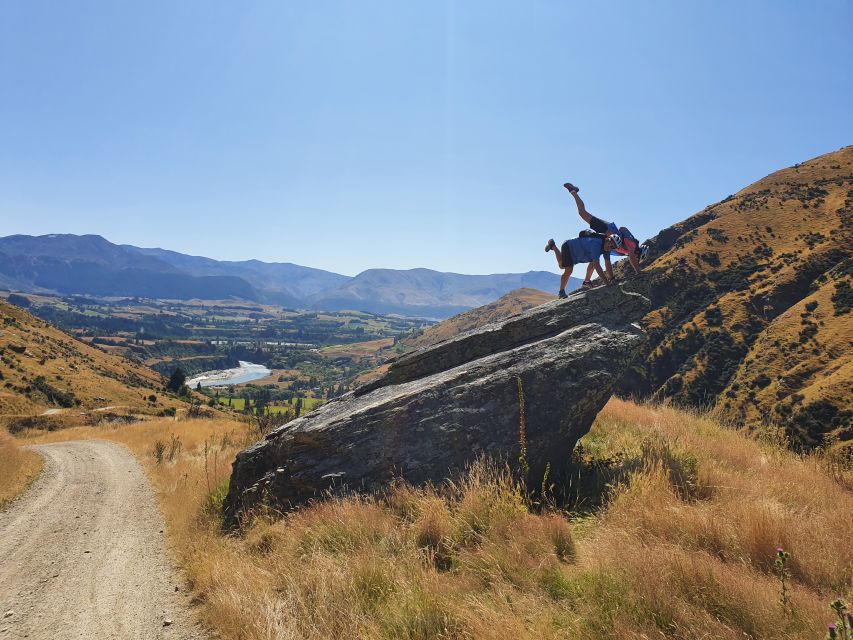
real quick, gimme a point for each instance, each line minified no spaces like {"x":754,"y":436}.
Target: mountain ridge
{"x":91,"y":265}
{"x":751,"y":304}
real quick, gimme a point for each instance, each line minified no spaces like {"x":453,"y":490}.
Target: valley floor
{"x":683,"y":544}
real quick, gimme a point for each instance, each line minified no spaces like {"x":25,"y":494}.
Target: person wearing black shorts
{"x":623,"y":246}
{"x":577,"y":251}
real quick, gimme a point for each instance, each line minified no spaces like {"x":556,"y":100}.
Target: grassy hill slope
{"x":752,"y":301}
{"x":510,"y":304}
{"x":42,"y":368}
{"x":679,"y":541}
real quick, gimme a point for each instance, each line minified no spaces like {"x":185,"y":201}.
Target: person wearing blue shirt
{"x":626,"y":244}
{"x":579,"y":250}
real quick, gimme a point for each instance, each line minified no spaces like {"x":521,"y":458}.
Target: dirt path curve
{"x":82,"y":552}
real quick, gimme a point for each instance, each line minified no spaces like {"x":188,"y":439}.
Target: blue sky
{"x":351,"y":135}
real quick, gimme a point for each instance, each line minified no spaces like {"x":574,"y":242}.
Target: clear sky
{"x":351,"y":135}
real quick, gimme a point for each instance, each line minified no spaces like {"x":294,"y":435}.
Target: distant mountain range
{"x":91,"y":265}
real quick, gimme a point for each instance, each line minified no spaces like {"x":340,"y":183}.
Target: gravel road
{"x":82,"y":553}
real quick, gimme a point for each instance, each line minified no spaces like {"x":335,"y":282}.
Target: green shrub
{"x":842,"y":299}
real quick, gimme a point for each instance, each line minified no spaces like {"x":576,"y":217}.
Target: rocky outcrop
{"x":437,"y":409}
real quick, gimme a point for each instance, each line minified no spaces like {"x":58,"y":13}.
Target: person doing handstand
{"x":579,"y":250}
{"x":624,"y":242}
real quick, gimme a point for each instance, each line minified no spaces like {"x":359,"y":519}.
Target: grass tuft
{"x":18,"y":469}
{"x":682,"y":545}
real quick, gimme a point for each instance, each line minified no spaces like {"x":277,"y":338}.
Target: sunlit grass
{"x":18,"y":468}
{"x":682,"y":547}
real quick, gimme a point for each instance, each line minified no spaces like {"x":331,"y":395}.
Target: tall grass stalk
{"x":522,"y":432}
{"x":683,"y":547}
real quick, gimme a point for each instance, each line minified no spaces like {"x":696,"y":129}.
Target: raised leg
{"x":559,"y":257}
{"x":582,"y":212}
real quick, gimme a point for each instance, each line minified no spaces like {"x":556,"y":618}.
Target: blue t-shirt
{"x":584,"y":249}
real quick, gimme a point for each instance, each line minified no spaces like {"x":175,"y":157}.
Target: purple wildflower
{"x":832,"y":631}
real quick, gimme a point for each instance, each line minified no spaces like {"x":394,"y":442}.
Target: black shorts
{"x":598,"y":225}
{"x":566,"y":256}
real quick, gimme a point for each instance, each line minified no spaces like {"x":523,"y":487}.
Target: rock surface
{"x":438,"y":409}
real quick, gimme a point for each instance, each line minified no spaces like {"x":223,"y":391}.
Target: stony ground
{"x":83,"y":553}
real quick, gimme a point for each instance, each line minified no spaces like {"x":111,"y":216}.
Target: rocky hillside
{"x":43,"y":369}
{"x":511,"y":304}
{"x":523,"y":390}
{"x":751,"y":304}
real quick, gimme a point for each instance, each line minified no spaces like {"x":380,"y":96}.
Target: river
{"x":246,"y":372}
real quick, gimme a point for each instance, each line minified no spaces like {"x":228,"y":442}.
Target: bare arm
{"x":594,"y":264}
{"x":608,"y":267}
{"x":634,"y":262}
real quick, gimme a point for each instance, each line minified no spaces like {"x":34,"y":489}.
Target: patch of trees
{"x":714,"y":317}
{"x":19,"y":301}
{"x":817,"y":418}
{"x":55,"y":396}
{"x":736,"y":276}
{"x":718,"y":235}
{"x":176,"y":381}
{"x":842,"y":299}
{"x":711,"y":258}
{"x":721,"y":355}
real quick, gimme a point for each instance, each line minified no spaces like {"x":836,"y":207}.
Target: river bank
{"x":245,"y":372}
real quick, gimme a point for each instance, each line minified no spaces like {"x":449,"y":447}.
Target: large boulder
{"x":438,"y":409}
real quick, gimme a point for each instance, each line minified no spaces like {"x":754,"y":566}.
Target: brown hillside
{"x":752,"y":302}
{"x":42,"y":368}
{"x":511,"y":304}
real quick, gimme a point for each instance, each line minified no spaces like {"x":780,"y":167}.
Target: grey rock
{"x":438,"y":409}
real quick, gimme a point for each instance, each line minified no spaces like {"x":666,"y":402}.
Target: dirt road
{"x":82,"y":553}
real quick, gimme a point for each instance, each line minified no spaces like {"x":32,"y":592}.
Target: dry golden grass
{"x":762,"y":267}
{"x":18,"y":469}
{"x":683,"y":548}
{"x":31,"y":349}
{"x":357,"y":350}
{"x":512,"y":303}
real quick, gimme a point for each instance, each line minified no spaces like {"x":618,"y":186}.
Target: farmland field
{"x":313,"y":356}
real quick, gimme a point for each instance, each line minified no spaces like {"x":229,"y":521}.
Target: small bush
{"x":158,"y":451}
{"x":214,"y":501}
{"x":174,"y":447}
{"x":761,"y":380}
{"x":842,"y":299}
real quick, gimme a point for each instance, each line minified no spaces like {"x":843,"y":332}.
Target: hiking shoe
{"x":551,"y":245}
{"x":562,"y":294}
{"x":587,"y":284}
{"x":572,"y":188}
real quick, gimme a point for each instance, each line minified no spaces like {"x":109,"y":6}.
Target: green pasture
{"x":308,"y":404}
